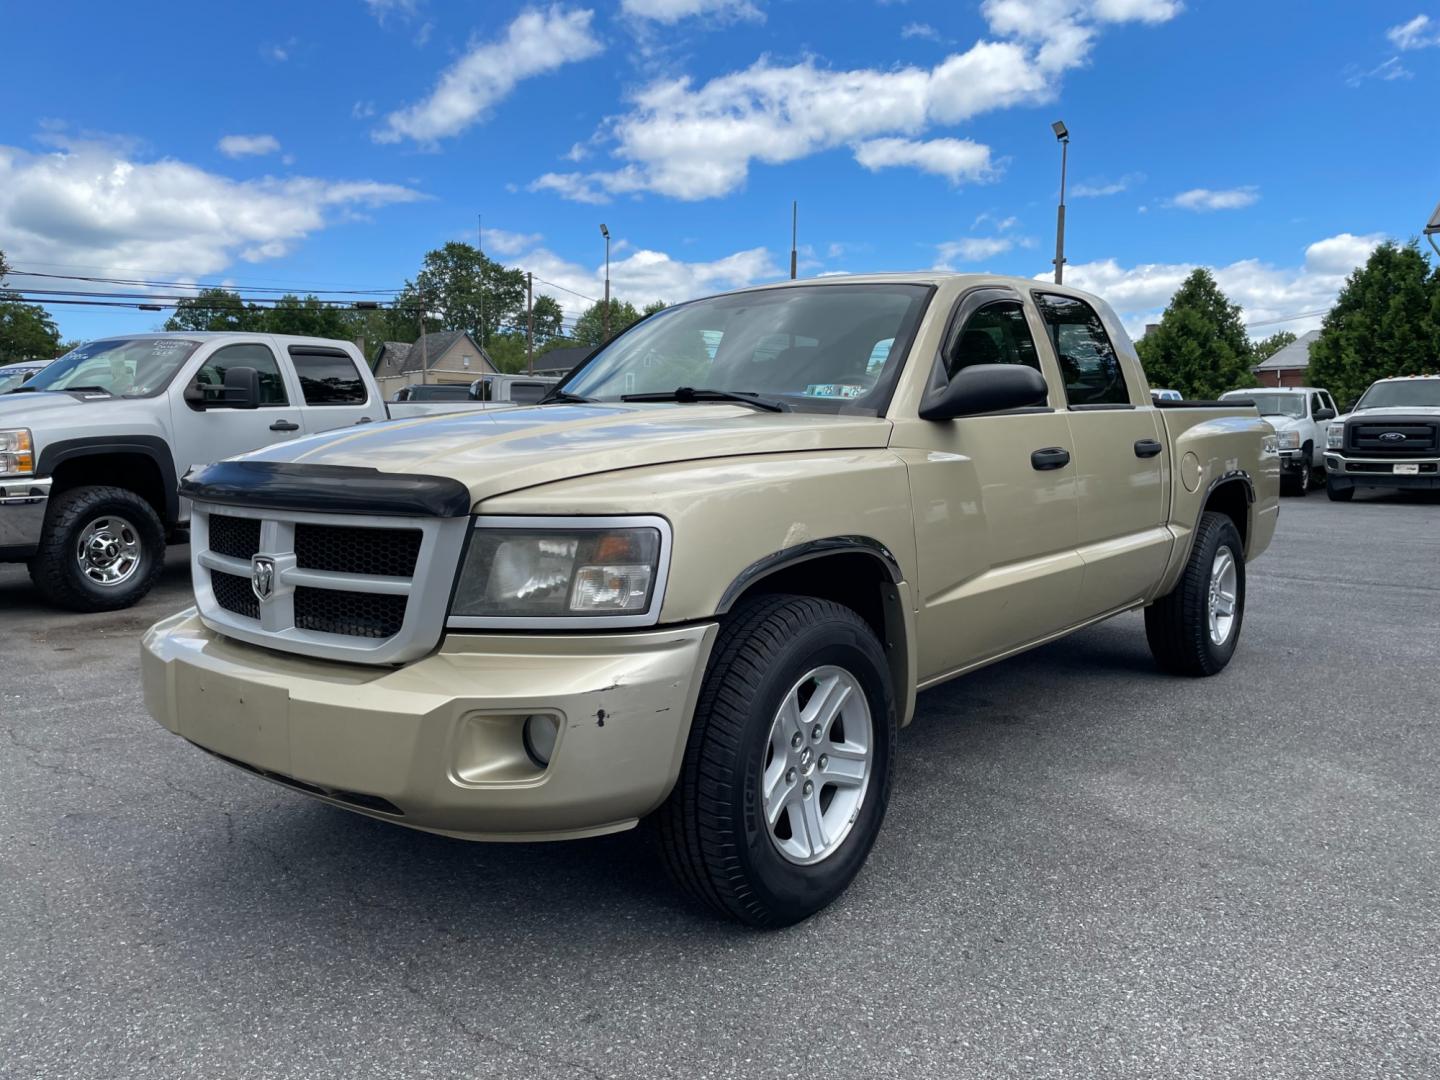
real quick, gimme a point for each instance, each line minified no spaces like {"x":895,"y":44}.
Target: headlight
{"x":1335,"y":436}
{"x":562,"y":571}
{"x":1289,"y":440}
{"x":17,"y":452}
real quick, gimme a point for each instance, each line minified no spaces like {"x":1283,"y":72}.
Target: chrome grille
{"x":339,"y":586}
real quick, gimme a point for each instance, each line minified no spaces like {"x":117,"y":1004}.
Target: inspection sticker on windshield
{"x":834,"y":390}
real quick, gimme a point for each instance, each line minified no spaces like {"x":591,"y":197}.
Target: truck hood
{"x":1428,"y":411}
{"x":505,"y":450}
{"x":1284,"y":423}
{"x":17,"y":410}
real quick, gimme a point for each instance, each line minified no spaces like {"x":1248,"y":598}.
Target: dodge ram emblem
{"x":262,"y":576}
{"x":1393,"y":436}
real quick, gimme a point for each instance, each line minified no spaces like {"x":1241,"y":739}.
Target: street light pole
{"x":794,"y":234}
{"x":1063,"y":134}
{"x":606,"y":233}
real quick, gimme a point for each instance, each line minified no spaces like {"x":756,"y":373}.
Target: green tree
{"x":1268,"y":347}
{"x":1200,"y":347}
{"x":549,"y":318}
{"x":653,"y":306}
{"x":27,"y":332}
{"x":1386,"y":321}
{"x":216,"y":309}
{"x":590,"y":327}
{"x":462,"y":289}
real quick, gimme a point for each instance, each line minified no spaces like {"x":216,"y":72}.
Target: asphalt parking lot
{"x":1089,"y":869}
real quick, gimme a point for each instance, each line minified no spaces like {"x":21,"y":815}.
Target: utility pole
{"x":530,"y":319}
{"x":606,"y":233}
{"x":424,"y":346}
{"x":794,"y":234}
{"x":1063,"y":134}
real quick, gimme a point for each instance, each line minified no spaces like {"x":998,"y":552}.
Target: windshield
{"x":11,"y":379}
{"x":819,"y":347}
{"x":1273,"y":404}
{"x":1401,"y":393}
{"x":122,"y":367}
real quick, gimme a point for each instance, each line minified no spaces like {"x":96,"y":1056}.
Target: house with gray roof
{"x":1290,"y":366}
{"x":446,"y":356}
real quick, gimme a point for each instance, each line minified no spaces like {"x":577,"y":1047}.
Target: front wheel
{"x":1337,"y":493}
{"x":1194,"y":629}
{"x":102,"y":549}
{"x":786,"y":774}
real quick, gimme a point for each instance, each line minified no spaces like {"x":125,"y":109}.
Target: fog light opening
{"x":539,"y":735}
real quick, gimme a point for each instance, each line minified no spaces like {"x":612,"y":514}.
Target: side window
{"x":329,"y":378}
{"x":253,"y":355}
{"x":995,"y":334}
{"x":1088,"y":361}
{"x":1315,"y":404}
{"x":1329,"y":402}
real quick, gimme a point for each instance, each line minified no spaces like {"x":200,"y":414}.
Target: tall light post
{"x":1062,"y":133}
{"x":606,"y":233}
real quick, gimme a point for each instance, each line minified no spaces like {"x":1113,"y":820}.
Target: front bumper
{"x":22,"y":516}
{"x":436,"y":744}
{"x":1292,"y":462}
{"x":1346,"y":472}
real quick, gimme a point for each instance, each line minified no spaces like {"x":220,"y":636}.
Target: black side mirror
{"x":986,"y":388}
{"x":241,"y":389}
{"x":1324,"y":414}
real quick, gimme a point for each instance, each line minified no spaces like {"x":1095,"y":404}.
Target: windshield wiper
{"x":563,"y":395}
{"x":689,"y":395}
{"x":87,"y":390}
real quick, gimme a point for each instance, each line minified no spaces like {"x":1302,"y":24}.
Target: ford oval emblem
{"x":1393,"y":436}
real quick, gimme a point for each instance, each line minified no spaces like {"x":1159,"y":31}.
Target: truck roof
{"x":212,"y":335}
{"x":925,"y":277}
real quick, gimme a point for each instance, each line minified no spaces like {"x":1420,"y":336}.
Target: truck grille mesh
{"x":1398,"y":438}
{"x":235,"y":536}
{"x":382,"y":552}
{"x":233,"y":593}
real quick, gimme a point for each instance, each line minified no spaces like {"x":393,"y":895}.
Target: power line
{"x":1290,"y":318}
{"x":144,"y":283}
{"x":572,"y":292}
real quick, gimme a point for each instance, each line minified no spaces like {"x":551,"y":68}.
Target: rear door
{"x":217,"y":431}
{"x":333,"y":390}
{"x":1120,"y":458}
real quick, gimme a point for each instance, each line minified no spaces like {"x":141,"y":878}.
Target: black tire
{"x":1339,"y":494}
{"x":1177,"y":626}
{"x":712,"y":831}
{"x":56,"y":571}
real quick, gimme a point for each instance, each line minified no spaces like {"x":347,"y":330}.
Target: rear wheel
{"x":786,"y":774}
{"x":102,"y":549}
{"x":1194,"y":629}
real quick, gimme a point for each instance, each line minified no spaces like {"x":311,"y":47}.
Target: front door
{"x":216,"y":432}
{"x":1120,"y":460}
{"x":995,"y":504}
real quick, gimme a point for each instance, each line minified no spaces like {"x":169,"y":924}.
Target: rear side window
{"x":253,"y":355}
{"x":527,"y":393}
{"x":1088,"y":361}
{"x":995,"y":334}
{"x":329,"y":378}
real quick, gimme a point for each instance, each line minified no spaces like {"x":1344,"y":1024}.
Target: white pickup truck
{"x":92,"y":449}
{"x":1299,"y":415}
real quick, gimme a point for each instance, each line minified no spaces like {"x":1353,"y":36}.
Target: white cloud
{"x":1388,"y":71}
{"x":954,"y":159}
{"x":237,"y":146}
{"x":644,"y":275}
{"x":536,"y":42}
{"x":670,"y":12}
{"x":1098,"y":189}
{"x":1204,"y":199}
{"x":972,"y":249}
{"x":504,"y":242}
{"x":1421,"y":32}
{"x":690,"y":141}
{"x":94,"y":204}
{"x":919,"y":30}
{"x":1266,"y":292}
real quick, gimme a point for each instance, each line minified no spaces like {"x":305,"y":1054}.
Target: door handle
{"x":1052,"y":457}
{"x":1147,"y":447}
{"x":284,"y":425}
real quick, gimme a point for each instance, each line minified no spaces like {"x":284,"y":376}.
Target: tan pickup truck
{"x":703,"y":582}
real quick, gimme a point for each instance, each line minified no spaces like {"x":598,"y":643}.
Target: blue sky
{"x":329,"y":145}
